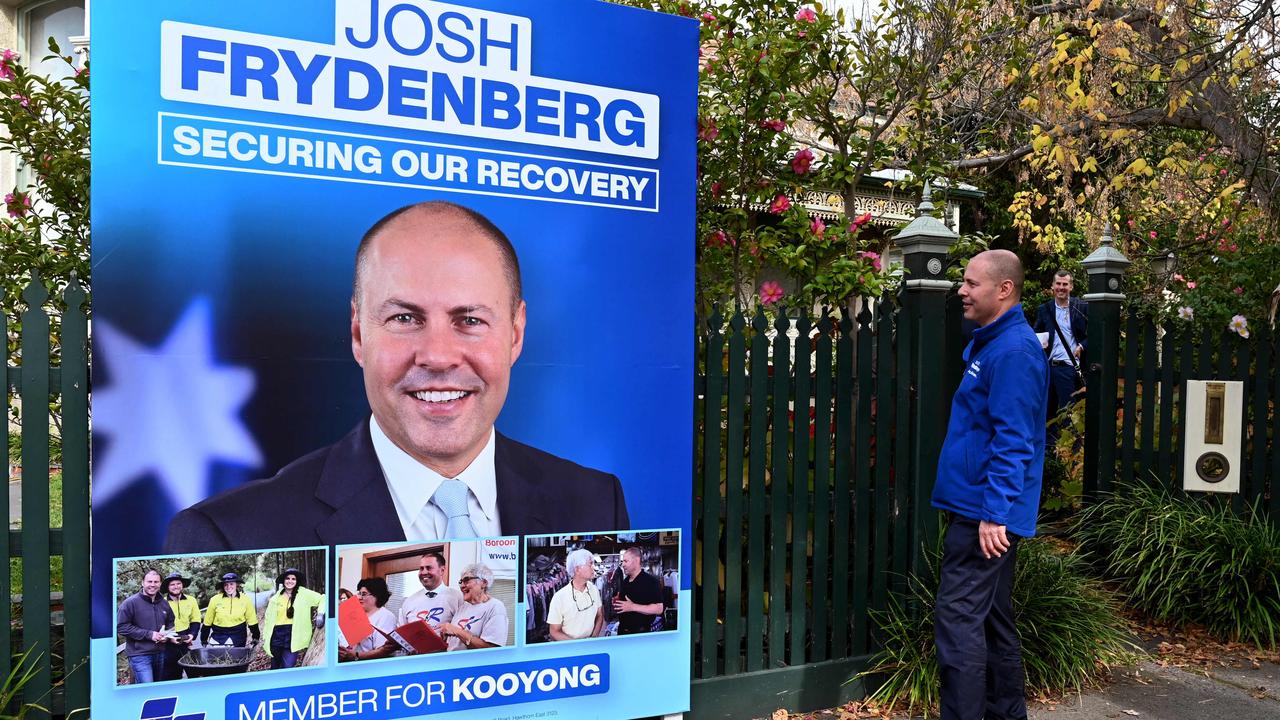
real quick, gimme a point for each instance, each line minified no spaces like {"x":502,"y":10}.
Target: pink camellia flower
{"x":807,"y":15}
{"x":859,"y":221}
{"x":1177,"y":276}
{"x":874,"y":257}
{"x":708,"y":131}
{"x":1191,"y":284}
{"x":716,"y":189}
{"x":6,"y":68}
{"x":1239,"y":325}
{"x":1130,"y":222}
{"x":17,"y":204}
{"x":717,"y":239}
{"x":779,"y":205}
{"x":801,"y":161}
{"x":708,"y":18}
{"x":774,"y":125}
{"x":770,"y":292}
{"x":23,"y":100}
{"x":1238,"y":290}
{"x":817,"y":227}
{"x":1186,"y":313}
{"x":1152,"y":234}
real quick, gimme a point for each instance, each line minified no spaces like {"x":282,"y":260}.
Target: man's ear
{"x":357,"y":348}
{"x":517,"y":331}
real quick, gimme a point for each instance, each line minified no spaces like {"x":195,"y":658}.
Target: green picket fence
{"x":57,"y":639}
{"x":807,"y":514}
{"x":1157,"y":361}
{"x":817,"y":443}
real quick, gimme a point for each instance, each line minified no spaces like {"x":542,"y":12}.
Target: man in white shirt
{"x":1064,"y":319}
{"x":437,"y":320}
{"x":435,"y":604}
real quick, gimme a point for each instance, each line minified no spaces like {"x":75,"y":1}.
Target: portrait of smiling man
{"x":437,"y":321}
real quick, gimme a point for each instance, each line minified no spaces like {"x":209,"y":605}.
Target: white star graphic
{"x":169,"y":410}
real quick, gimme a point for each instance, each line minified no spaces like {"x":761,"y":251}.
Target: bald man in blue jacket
{"x":988,"y":482}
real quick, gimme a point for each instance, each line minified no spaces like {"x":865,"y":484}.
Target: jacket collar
{"x":988,"y":332}
{"x":522,"y":502}
{"x":352,"y":483}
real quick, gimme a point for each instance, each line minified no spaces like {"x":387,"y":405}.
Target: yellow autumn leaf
{"x":1093,"y":6}
{"x":1090,"y":165}
{"x":1040,"y":143}
{"x":1181,"y":66}
{"x":1137,"y":167}
{"x":1155,"y":74}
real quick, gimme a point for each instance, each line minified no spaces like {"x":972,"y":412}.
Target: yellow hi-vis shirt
{"x":305,"y":604}
{"x":185,"y":612}
{"x":228,"y":612}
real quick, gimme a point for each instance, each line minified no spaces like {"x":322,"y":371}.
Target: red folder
{"x":354,"y":621}
{"x":417,"y":638}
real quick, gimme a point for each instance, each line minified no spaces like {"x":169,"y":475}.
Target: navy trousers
{"x":1062,"y":383}
{"x":979,"y":656}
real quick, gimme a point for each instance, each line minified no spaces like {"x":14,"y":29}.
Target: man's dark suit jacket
{"x":337,"y":495}
{"x":1078,"y":310}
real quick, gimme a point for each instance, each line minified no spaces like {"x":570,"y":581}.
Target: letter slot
{"x":1211,"y":436}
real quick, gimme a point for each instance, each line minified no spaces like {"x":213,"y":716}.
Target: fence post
{"x":925,"y":243}
{"x":75,"y":496}
{"x":1105,"y":267}
{"x":35,"y":491}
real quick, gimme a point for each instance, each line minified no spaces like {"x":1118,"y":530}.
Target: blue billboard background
{"x":222,"y":279}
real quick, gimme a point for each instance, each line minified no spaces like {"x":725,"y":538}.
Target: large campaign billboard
{"x":395,"y":287}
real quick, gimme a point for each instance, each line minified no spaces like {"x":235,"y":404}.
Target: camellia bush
{"x":45,"y":227}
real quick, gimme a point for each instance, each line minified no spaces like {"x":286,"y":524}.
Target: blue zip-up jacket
{"x":993,"y":458}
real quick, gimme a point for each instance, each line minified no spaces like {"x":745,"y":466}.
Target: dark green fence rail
{"x":804,"y":518}
{"x":53,"y":627}
{"x":1156,"y":363}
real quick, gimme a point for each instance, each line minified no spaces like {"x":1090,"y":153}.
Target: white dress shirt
{"x":412,"y":484}
{"x":1063,"y":315}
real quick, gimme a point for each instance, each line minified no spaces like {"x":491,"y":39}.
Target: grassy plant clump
{"x":1070,"y":629}
{"x":1189,"y":560}
{"x":23,"y":671}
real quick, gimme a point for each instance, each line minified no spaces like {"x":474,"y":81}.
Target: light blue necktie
{"x":451,"y":498}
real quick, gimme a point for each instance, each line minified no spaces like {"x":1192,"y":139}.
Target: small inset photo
{"x":204,"y":616}
{"x":579,"y":587}
{"x":422,"y":598}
